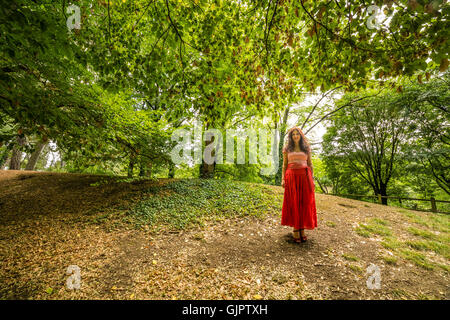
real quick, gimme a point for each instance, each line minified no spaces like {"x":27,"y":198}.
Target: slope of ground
{"x":49,"y":221}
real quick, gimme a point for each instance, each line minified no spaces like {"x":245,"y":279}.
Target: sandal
{"x":299,"y":239}
{"x":303,"y":238}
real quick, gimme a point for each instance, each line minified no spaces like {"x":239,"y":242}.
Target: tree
{"x":430,"y":145}
{"x":35,"y":155}
{"x":213,"y":58}
{"x":370,"y":135}
{"x":16,"y":156}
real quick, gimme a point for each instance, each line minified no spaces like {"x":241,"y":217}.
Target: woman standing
{"x":299,"y":204}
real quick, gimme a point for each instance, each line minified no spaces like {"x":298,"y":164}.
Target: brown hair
{"x":303,"y":143}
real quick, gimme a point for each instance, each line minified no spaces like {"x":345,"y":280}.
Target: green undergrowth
{"x":436,"y":221}
{"x":189,"y":202}
{"x":427,"y":243}
{"x":374,"y":227}
{"x":350,"y":257}
{"x":117,"y":179}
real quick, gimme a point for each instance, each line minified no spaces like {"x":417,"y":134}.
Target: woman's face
{"x":296,"y":136}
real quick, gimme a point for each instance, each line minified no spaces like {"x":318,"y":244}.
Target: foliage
{"x":390,"y":135}
{"x":188,"y":202}
{"x":110,"y":93}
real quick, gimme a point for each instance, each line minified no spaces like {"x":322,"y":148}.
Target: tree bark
{"x":35,"y":156}
{"x":3,"y":166}
{"x":207,"y":170}
{"x":4,"y":159}
{"x":16,"y":156}
{"x":383,"y":192}
{"x":282,"y":126}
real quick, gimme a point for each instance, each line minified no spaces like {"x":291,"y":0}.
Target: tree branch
{"x":349,"y":41}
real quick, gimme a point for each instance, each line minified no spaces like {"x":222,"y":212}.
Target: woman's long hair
{"x":304,"y":143}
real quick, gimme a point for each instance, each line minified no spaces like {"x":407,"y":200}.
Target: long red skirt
{"x":299,"y":204}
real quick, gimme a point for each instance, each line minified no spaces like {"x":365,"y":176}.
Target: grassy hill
{"x":206,"y":239}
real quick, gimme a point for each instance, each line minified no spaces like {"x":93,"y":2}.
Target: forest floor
{"x":49,"y":221}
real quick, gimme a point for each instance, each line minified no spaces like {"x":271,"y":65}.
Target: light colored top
{"x":297,"y":157}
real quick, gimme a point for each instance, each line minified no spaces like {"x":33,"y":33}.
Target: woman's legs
{"x":302,"y":235}
{"x":296,"y":232}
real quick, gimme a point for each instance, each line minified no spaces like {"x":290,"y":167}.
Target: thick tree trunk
{"x":16,"y":156}
{"x":383,"y":192}
{"x":207,"y":170}
{"x":35,"y":156}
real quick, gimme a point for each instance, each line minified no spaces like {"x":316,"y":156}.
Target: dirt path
{"x":243,"y":258}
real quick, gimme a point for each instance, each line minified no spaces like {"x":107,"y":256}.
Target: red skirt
{"x":299,"y":204}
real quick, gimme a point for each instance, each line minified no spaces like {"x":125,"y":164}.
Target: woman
{"x":299,"y":204}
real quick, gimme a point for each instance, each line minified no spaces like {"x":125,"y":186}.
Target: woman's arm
{"x":309,"y":162}
{"x":285,"y":161}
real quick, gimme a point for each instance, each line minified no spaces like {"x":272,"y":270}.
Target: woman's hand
{"x":282,"y":182}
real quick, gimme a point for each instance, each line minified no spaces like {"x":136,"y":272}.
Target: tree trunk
{"x":383,"y":192}
{"x":130,"y":168}
{"x":16,"y":156}
{"x":5,"y":163}
{"x":53,"y":162}
{"x":145,"y":169}
{"x":35,"y":156}
{"x":207,"y":170}
{"x":4,"y":159}
{"x":171,"y":170}
{"x":282,"y":127}
{"x":141,"y":170}
{"x":171,"y":164}
{"x":322,"y":187}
